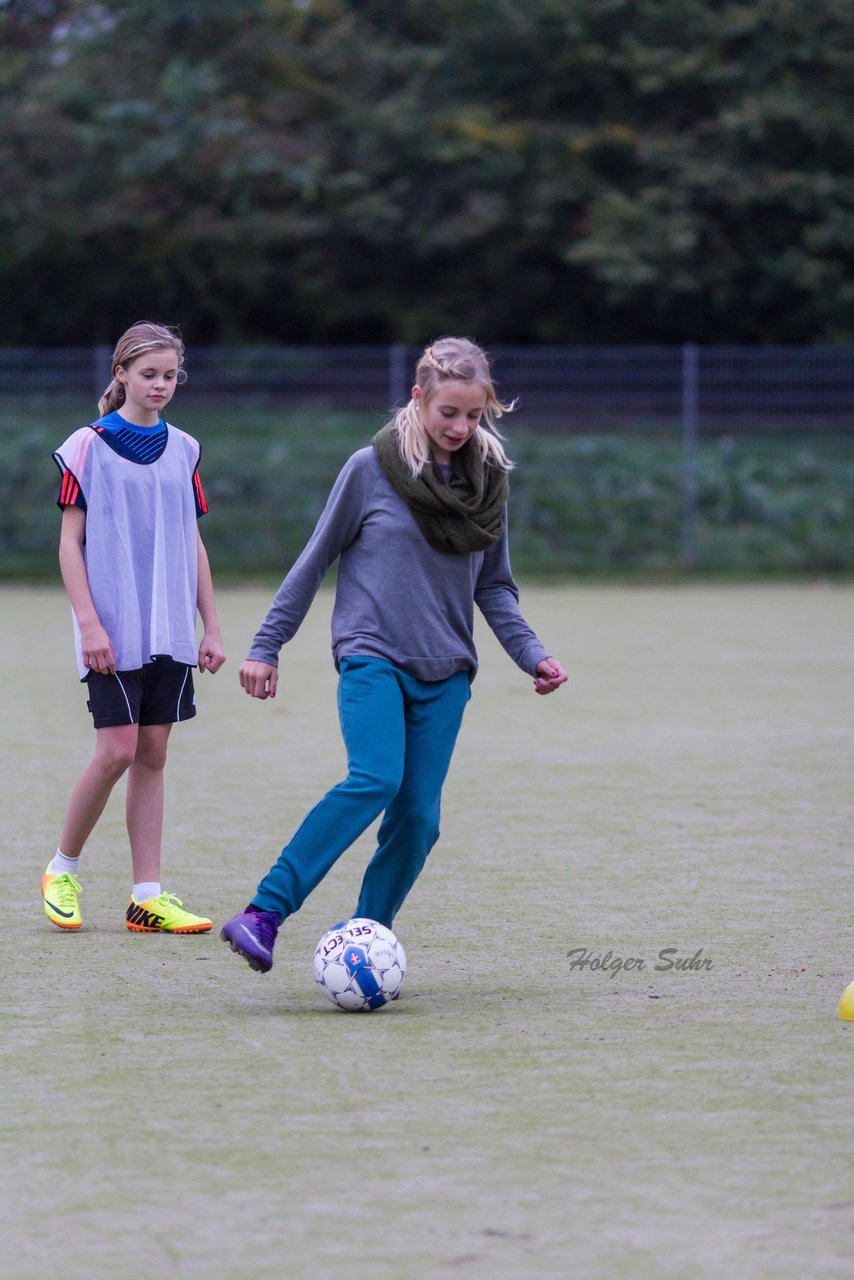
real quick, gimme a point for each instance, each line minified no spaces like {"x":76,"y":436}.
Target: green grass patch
{"x":167,"y":1111}
{"x":594,"y":504}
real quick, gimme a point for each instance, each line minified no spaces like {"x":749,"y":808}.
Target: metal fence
{"x":672,"y":397}
{"x":715,"y":389}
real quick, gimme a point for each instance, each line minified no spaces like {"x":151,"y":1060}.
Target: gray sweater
{"x":396,"y":596}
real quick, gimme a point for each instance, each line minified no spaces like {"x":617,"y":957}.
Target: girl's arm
{"x":497,"y":596}
{"x":211,"y":652}
{"x":94,"y":642}
{"x":339,"y":523}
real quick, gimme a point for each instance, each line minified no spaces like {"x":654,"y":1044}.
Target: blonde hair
{"x":462,"y":360}
{"x":139,"y":339}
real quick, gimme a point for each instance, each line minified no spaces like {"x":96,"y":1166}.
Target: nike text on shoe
{"x":60,"y":895}
{"x":252,"y":934}
{"x":163,"y":914}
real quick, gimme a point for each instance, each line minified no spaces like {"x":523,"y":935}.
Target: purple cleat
{"x":252,"y":934}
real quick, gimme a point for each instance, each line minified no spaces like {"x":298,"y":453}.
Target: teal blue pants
{"x":400,"y":734}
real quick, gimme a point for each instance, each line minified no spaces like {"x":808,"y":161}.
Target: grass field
{"x":165,"y":1111}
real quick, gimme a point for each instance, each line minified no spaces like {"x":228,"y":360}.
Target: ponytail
{"x":112,"y":399}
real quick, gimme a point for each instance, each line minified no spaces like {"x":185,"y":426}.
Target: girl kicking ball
{"x":417,"y":524}
{"x":136,"y":573}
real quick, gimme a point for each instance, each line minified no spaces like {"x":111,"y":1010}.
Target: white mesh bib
{"x":141,"y":546}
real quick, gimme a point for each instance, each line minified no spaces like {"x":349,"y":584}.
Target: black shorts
{"x":161,"y":692}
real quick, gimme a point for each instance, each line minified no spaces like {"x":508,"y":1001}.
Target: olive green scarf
{"x":464,"y":514}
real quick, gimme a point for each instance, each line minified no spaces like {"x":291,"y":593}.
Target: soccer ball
{"x":359,"y":965}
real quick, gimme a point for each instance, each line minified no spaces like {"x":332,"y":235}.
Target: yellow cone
{"x":846,"y":1004}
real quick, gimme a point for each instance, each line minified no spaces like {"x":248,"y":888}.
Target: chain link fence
{"x":572,"y":388}
{"x":717,"y":457}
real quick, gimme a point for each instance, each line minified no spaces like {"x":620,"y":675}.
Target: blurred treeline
{"x":544,"y":171}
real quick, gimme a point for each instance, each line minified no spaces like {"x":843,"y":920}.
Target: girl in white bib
{"x":136,"y":573}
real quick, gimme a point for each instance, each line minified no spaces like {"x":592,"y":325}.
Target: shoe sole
{"x":64,"y":924}
{"x":190,"y":928}
{"x":260,"y":966}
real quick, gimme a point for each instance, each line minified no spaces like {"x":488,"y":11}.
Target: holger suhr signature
{"x":668,"y":960}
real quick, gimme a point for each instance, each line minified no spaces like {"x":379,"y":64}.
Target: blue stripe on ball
{"x":356,"y":962}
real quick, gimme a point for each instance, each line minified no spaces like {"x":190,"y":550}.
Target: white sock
{"x":60,"y":865}
{"x":147,"y":889}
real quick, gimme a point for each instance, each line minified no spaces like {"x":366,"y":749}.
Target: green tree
{"x":526,"y":170}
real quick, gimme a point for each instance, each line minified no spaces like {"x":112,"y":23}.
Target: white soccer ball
{"x":359,"y":965}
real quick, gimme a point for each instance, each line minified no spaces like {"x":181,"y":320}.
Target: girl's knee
{"x":381,"y":785}
{"x":114,"y":758}
{"x":151,"y":755}
{"x":152,"y":745}
{"x":421,"y":826}
{"x":426,"y":828}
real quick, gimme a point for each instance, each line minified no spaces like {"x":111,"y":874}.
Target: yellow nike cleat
{"x":60,"y":900}
{"x":163,"y":915}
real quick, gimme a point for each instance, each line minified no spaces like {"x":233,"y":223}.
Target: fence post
{"x":690,"y":440}
{"x":102,"y":368}
{"x":397,"y":384}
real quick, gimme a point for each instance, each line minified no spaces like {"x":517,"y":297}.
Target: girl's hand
{"x":550,"y":676}
{"x":211,"y":652}
{"x":259,"y":679}
{"x":97,"y":649}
